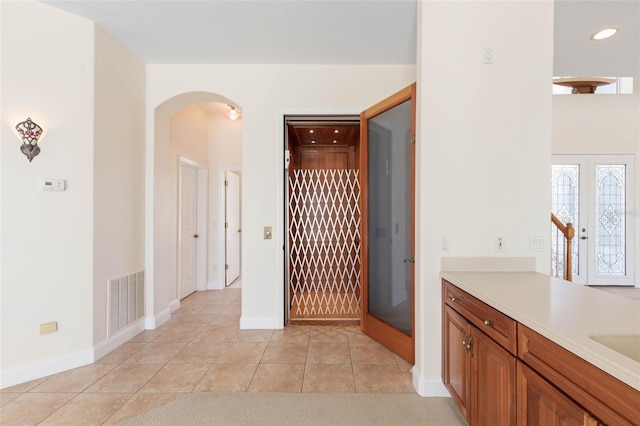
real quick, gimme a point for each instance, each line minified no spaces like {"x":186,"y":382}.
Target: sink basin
{"x":627,"y":345}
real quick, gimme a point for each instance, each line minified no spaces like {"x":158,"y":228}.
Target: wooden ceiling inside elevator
{"x":323,"y":134}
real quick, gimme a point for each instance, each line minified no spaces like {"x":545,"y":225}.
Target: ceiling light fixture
{"x":336,"y":131}
{"x":233,"y":113}
{"x":313,"y":141}
{"x":606,"y":33}
{"x":311,"y":131}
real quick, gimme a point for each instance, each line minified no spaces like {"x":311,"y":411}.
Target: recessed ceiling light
{"x":313,"y":141}
{"x":335,"y":141}
{"x":606,"y":33}
{"x":336,"y":131}
{"x":311,"y":131}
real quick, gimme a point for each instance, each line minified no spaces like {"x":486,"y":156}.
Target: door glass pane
{"x":390,"y":254}
{"x":565,"y":198}
{"x":610,"y":214}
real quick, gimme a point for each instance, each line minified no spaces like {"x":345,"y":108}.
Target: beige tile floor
{"x":201,"y":349}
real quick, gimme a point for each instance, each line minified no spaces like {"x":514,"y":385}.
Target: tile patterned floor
{"x":201,"y":349}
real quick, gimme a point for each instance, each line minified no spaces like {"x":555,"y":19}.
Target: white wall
{"x":47,"y":237}
{"x":602,"y":124}
{"x":264,"y":93}
{"x":189,"y":139}
{"x":118,"y":195}
{"x":484,"y":145}
{"x":225,"y":153}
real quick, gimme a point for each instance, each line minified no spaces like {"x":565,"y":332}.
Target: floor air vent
{"x":125,"y":301}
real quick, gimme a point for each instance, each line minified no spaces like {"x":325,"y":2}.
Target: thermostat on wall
{"x":53,"y":184}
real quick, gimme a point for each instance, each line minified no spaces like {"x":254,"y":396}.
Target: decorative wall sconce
{"x":233,"y":113}
{"x":30,"y":132}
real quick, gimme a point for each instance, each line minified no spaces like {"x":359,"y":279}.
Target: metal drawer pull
{"x":487,"y":322}
{"x":453,"y":299}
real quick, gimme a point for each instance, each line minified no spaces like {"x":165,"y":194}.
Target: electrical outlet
{"x":487,"y":55}
{"x":499,"y":244}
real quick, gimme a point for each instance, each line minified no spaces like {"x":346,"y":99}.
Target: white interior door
{"x":188,"y":229}
{"x":596,"y":193}
{"x":232,"y":227}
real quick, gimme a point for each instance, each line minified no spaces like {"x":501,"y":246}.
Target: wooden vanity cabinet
{"x":479,"y":373}
{"x":456,"y":363}
{"x":597,"y":394}
{"x":540,"y":403}
{"x":500,"y":372}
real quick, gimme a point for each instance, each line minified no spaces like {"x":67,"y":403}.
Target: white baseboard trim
{"x":174,"y":304}
{"x":162,"y":317}
{"x":215,"y":285}
{"x":149,"y":323}
{"x":259,"y":323}
{"x":113,"y":342}
{"x":45,"y":368}
{"x":429,"y":386}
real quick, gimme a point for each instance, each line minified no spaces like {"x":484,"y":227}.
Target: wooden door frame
{"x":202,"y":173}
{"x":370,"y":325}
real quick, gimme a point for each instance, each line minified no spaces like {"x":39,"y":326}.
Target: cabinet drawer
{"x":607,"y":398}
{"x":490,"y":321}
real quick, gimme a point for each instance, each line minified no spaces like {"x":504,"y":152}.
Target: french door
{"x":387,"y":162}
{"x":596,"y":194}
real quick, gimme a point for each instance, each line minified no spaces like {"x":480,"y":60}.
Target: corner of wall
{"x":428,"y":386}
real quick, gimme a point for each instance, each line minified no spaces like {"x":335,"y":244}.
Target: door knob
{"x":195,"y":235}
{"x":409,"y":260}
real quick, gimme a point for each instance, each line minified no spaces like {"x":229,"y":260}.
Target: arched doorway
{"x":186,"y":129}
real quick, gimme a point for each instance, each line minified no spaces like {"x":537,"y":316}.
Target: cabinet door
{"x":539,"y":403}
{"x":455,"y":361}
{"x":493,"y":382}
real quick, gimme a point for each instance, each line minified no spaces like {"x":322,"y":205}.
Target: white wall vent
{"x":125,"y":301}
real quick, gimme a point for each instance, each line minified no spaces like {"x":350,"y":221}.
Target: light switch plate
{"x":267,"y":233}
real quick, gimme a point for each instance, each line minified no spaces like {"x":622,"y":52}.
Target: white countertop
{"x":564,"y":312}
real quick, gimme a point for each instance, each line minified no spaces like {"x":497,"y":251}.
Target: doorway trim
{"x":201,"y":224}
{"x":221,"y":243}
{"x":282,"y":237}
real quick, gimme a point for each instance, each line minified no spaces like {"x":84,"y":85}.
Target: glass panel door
{"x":596,"y":193}
{"x":388,"y":151}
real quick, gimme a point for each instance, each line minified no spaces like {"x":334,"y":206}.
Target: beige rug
{"x":301,"y":409}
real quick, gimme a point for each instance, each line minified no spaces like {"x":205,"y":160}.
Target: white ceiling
{"x":338,"y":32}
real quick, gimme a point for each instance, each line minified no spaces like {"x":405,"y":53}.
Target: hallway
{"x":201,"y":349}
